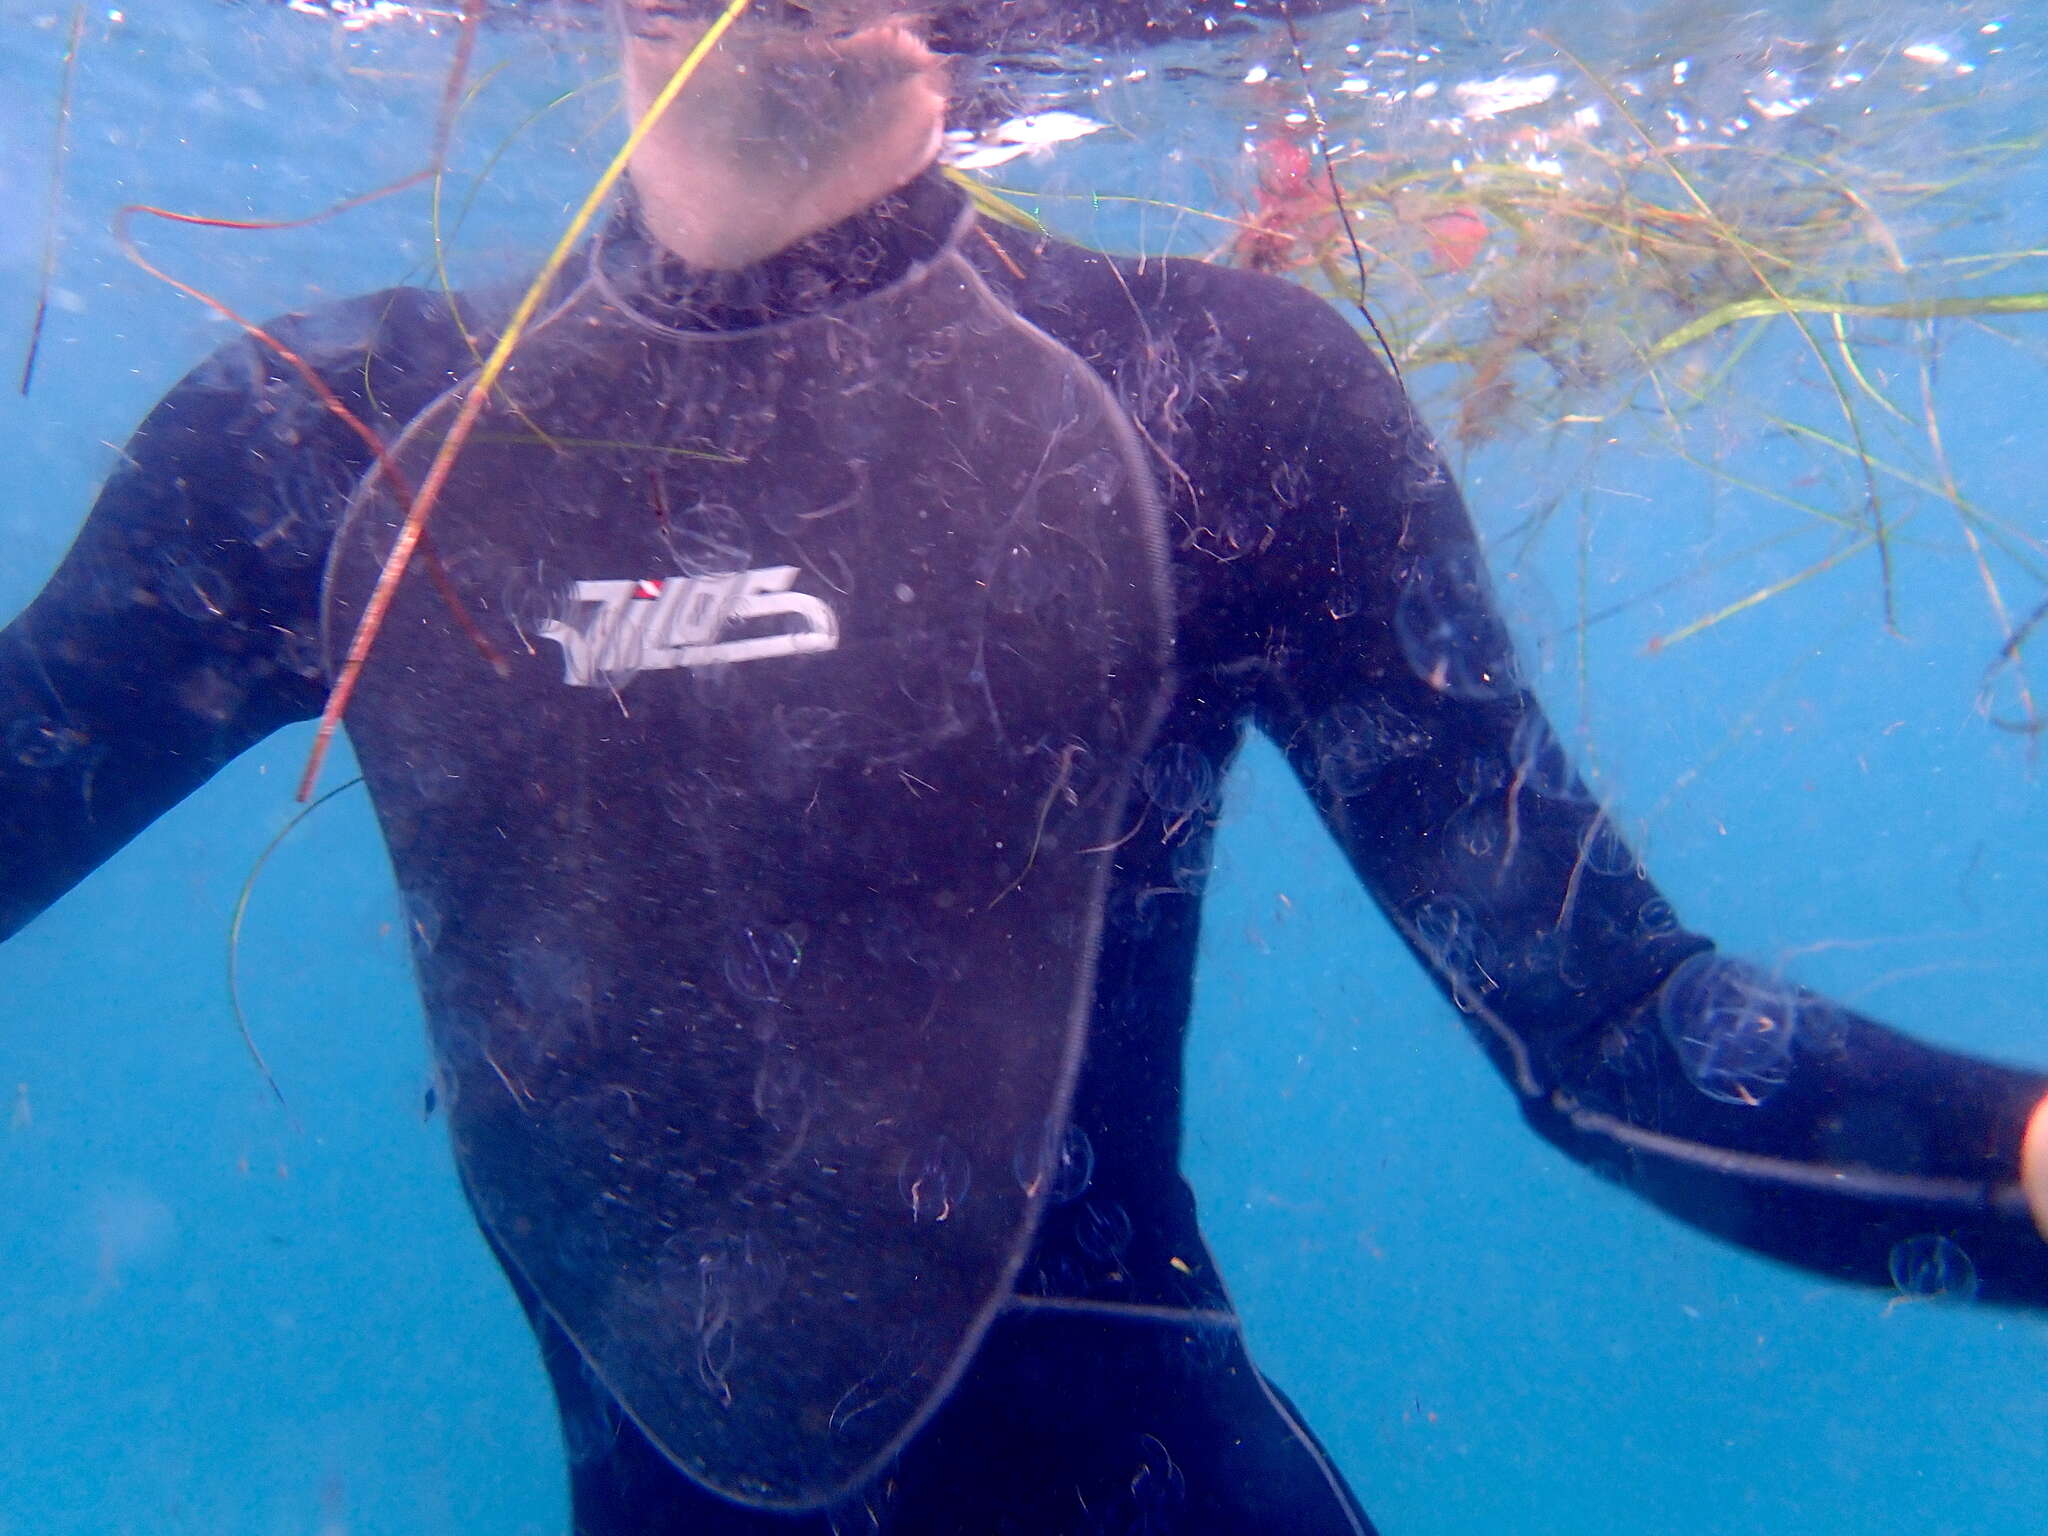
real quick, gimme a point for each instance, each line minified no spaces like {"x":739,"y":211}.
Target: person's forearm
{"x":1854,"y":1151}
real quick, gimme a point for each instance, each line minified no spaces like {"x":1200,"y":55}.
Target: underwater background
{"x":218,"y":1315}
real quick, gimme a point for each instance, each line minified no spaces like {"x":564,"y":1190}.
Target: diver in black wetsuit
{"x":806,"y":911}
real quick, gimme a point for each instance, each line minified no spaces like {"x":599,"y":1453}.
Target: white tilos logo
{"x":616,"y":628}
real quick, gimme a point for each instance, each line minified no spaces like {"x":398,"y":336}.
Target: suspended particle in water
{"x":37,"y":741}
{"x":1062,"y":1168}
{"x":129,"y":1228}
{"x":1289,"y":484}
{"x":1656,"y":918}
{"x":1189,"y":866}
{"x":192,"y":587}
{"x":785,"y":1091}
{"x":1480,"y":778}
{"x":549,"y":980}
{"x":1104,"y":1231}
{"x":1353,"y":743}
{"x":717,"y":1281}
{"x":424,"y":916}
{"x":1151,"y":1500}
{"x":1448,"y":631}
{"x":1207,"y":1349}
{"x":896,"y":932}
{"x":1348,"y":749}
{"x":607,"y":1122}
{"x":1733,"y":1027}
{"x":300,"y":654}
{"x":1933,"y":1267}
{"x":532,"y":600}
{"x":760,"y":962}
{"x":591,"y":1429}
{"x":934,"y":1182}
{"x":581,"y":1244}
{"x":210,"y":693}
{"x":436,"y":773}
{"x":1023,"y":581}
{"x":795,"y":746}
{"x":1457,"y":946}
{"x":1478,"y":830}
{"x":1060,"y":1275}
{"x":1541,"y":766}
{"x":1179,"y":780}
{"x":709,"y":539}
{"x":1605,"y":851}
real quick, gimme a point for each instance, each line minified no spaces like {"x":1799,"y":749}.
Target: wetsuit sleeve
{"x":1747,"y":1107}
{"x":181,"y":628}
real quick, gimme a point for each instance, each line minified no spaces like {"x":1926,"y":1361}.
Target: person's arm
{"x":1732,"y":1099}
{"x":182,"y":626}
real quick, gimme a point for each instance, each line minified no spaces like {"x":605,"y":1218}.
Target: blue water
{"x":216,"y":1317}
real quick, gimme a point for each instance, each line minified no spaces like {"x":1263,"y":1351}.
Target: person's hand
{"x":2034,"y":1166}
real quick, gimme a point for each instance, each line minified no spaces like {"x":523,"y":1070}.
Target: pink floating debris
{"x":1456,"y":237}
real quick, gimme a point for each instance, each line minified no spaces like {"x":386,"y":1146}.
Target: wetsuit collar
{"x":876,"y":247}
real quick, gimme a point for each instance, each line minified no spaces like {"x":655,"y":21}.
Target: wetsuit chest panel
{"x":756,"y":911}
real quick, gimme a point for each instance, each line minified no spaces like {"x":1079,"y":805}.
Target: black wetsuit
{"x":1245,"y":527}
